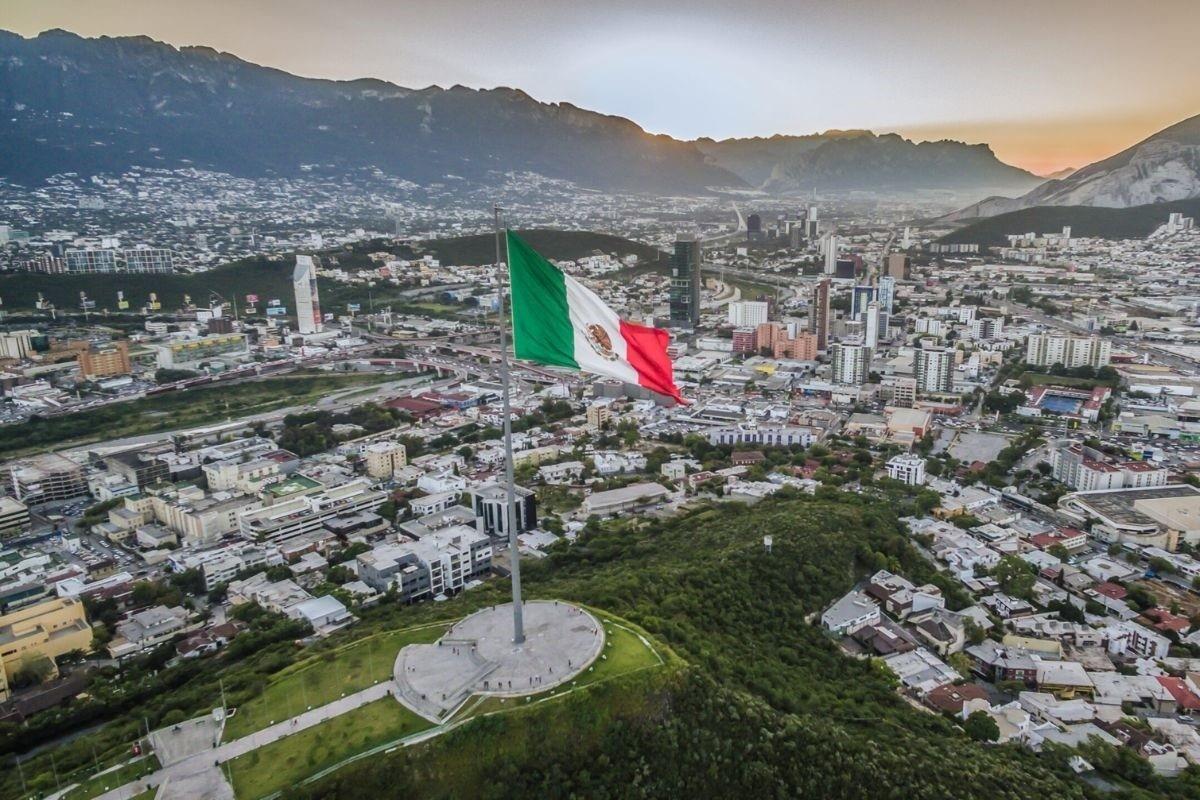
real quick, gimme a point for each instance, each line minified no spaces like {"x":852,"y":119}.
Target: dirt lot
{"x":1168,"y":593}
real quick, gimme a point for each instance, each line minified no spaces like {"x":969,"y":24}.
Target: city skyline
{"x":1048,"y":86}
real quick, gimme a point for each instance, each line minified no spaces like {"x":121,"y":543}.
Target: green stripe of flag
{"x":542,"y":329}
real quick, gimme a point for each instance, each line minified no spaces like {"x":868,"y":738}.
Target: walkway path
{"x":196,"y":776}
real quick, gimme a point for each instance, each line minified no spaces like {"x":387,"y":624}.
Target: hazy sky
{"x":1048,"y":83}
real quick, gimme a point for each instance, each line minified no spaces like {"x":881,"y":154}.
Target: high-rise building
{"x":818,"y":315}
{"x":105,"y":361}
{"x":897,"y":266}
{"x":743,"y":313}
{"x":384,"y":458}
{"x":934,"y":370}
{"x":848,"y":268}
{"x":812,"y":225}
{"x":753,"y":227}
{"x":987,"y":327}
{"x":308,"y":304}
{"x":871,"y":317}
{"x":831,"y":254}
{"x":862,"y":297}
{"x":886,"y":293}
{"x":851,"y":363}
{"x":685,"y":281}
{"x":1045,"y":350}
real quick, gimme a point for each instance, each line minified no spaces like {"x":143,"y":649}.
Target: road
{"x":335,"y":401}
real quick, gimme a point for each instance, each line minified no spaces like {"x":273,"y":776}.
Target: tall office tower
{"x":812,"y":226}
{"x":308,"y":305}
{"x":906,"y":241}
{"x":886,"y":293}
{"x":685,"y":281}
{"x":831,"y":254}
{"x":863,"y":295}
{"x":871,"y":334}
{"x":818,"y":314}
{"x":935,"y":370}
{"x":753,"y":227}
{"x":851,"y":363}
{"x":897,"y":266}
{"x":747,"y":313}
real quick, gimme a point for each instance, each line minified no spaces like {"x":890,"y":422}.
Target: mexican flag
{"x":560,"y":322}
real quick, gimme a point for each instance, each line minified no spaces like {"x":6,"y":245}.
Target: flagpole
{"x":511,"y":500}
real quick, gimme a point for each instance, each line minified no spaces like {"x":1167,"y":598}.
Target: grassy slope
{"x":99,"y":784}
{"x":324,"y":678}
{"x":768,"y":707}
{"x":1108,"y":223}
{"x":289,"y":761}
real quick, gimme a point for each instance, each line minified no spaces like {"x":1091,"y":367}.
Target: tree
{"x":980,"y":726}
{"x":961,"y":663}
{"x":1015,"y":576}
{"x":1161,"y":566}
{"x":34,"y":669}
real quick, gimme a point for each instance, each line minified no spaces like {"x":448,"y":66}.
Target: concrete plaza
{"x":477,"y":656}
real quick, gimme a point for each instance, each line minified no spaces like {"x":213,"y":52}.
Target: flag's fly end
{"x":560,"y":322}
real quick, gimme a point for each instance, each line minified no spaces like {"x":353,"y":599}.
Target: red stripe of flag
{"x":646,"y":349}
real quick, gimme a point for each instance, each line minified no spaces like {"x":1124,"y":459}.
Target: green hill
{"x":1105,"y":223}
{"x":272,"y":278}
{"x":757,"y":700}
{"x":768,"y":707}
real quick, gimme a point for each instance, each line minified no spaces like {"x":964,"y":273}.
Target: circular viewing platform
{"x":477,"y":656}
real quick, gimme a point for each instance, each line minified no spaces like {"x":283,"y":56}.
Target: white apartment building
{"x":1131,"y":638}
{"x":851,"y":363}
{"x":871,"y":335}
{"x":907,"y":468}
{"x":747,"y":313}
{"x":308,"y":304}
{"x":1086,"y":470}
{"x":934,"y":370}
{"x":17,"y":344}
{"x":778,"y":435}
{"x":987,"y":328}
{"x":1046,"y":350}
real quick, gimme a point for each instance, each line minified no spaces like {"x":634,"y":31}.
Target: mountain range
{"x":1162,"y":168}
{"x":71,"y":104}
{"x":857,"y":160}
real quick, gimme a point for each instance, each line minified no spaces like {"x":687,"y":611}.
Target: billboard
{"x":251,"y":299}
{"x":276,"y":311}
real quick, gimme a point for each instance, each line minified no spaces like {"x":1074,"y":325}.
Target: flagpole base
{"x":478,"y":656}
